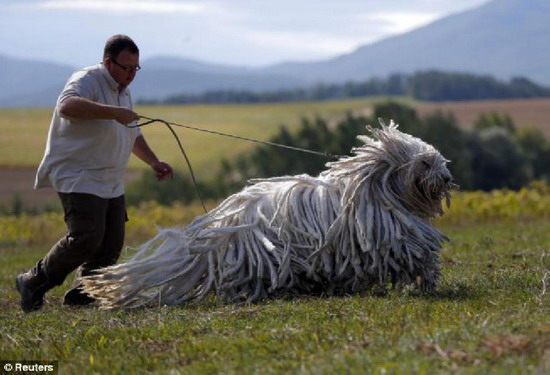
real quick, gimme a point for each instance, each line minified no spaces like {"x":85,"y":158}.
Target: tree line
{"x":494,"y":154}
{"x":427,"y":85}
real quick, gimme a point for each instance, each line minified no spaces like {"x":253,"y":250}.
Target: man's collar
{"x":110,"y":80}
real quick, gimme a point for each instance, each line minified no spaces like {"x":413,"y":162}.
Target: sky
{"x":252,"y":33}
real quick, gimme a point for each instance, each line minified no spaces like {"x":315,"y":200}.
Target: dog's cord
{"x":170,"y":124}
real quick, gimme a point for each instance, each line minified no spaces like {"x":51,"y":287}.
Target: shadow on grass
{"x":457,"y":291}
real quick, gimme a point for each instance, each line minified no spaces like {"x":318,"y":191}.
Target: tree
{"x":493,"y":155}
{"x":442,"y":131}
{"x":497,"y":160}
{"x":494,"y":119}
{"x":403,"y":115}
{"x":536,"y":149}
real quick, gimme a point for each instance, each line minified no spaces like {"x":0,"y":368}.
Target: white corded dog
{"x":363,"y":222}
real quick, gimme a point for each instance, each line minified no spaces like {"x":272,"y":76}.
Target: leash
{"x":170,"y":125}
{"x":152,"y":120}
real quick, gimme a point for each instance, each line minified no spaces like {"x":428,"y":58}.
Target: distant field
{"x":24,"y":132}
{"x":525,"y":112}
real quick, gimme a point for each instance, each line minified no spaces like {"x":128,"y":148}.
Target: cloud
{"x":304,"y":43}
{"x":240,"y":32}
{"x":397,"y":22}
{"x":126,"y":6}
{"x":307,"y":41}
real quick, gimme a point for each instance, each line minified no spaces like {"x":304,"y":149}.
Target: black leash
{"x":171,"y":124}
{"x":151,"y":120}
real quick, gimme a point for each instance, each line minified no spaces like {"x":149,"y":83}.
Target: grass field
{"x":25,"y":130}
{"x":490,"y":314}
{"x":533,"y":113}
{"x":24,"y":133}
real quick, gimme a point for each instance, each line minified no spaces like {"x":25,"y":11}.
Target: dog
{"x":363,"y":222}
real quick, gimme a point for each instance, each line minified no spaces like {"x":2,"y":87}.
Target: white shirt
{"x":88,"y":156}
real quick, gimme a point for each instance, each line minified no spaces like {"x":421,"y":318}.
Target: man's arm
{"x":84,"y":109}
{"x":143,"y":151}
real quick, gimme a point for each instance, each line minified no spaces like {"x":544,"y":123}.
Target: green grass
{"x":490,"y":315}
{"x":24,"y":131}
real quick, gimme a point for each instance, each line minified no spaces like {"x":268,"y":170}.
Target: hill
{"x":502,"y":38}
{"x":30,"y":83}
{"x":164,"y":76}
{"x":37,"y":83}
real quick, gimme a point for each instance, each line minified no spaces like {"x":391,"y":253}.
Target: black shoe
{"x":32,"y":295}
{"x":77,"y":297}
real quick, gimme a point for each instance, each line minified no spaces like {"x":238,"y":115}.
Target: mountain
{"x":164,"y":76}
{"x":30,"y":83}
{"x":502,"y":38}
{"x":34,"y":83}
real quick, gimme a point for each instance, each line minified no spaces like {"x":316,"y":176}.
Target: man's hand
{"x":125,"y":116}
{"x":141,"y":150}
{"x":162,"y":170}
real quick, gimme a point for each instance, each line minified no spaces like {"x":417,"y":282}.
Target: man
{"x":86,"y":156}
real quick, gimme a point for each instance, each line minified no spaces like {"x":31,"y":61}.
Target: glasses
{"x":127,"y":69}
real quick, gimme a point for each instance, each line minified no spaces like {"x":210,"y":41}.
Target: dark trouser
{"x":94,"y":239}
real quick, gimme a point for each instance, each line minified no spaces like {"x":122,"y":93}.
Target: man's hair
{"x":118,"y":43}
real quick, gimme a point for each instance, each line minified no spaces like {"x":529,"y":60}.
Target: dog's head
{"x":400,"y":170}
{"x":419,"y":173}
{"x":428,"y":182}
